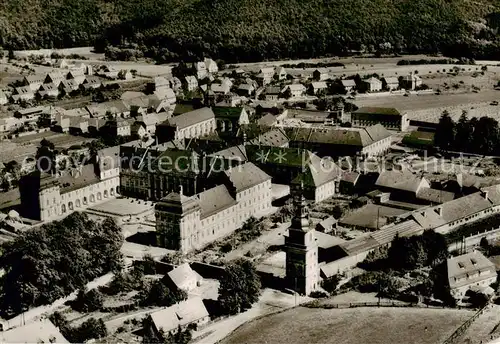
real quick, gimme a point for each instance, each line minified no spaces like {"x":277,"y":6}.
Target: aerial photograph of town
{"x":249,"y":171}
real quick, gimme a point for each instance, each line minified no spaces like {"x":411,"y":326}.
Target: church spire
{"x":300,"y":218}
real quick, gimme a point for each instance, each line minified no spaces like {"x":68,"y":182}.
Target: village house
{"x":62,"y":123}
{"x":61,"y":64}
{"x":372,"y":85}
{"x":272,"y":93}
{"x":125,"y":74}
{"x":196,"y":123}
{"x":113,"y":108}
{"x":109,"y":72}
{"x":23,"y":93}
{"x":158,"y":82}
{"x":294,"y":90}
{"x":48,"y":90}
{"x":184,"y":278}
{"x":91,"y":82}
{"x":470,"y":271}
{"x":34,"y":81}
{"x":220,"y":88}
{"x":390,"y":83}
{"x":54,"y":78}
{"x":191,"y":312}
{"x":265,"y":75}
{"x":191,"y":83}
{"x":190,"y":223}
{"x":230,"y":119}
{"x":390,"y":118}
{"x":78,"y":126}
{"x":321,"y":75}
{"x":77,"y":75}
{"x":166,"y":94}
{"x":68,"y":86}
{"x":201,"y":70}
{"x":319,"y":86}
{"x":280,"y":73}
{"x":246,"y":90}
{"x":119,"y":127}
{"x":411,"y":81}
{"x":211,"y":65}
{"x":349,"y":85}
{"x":275,"y":137}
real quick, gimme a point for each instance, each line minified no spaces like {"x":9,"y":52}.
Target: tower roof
{"x":300,"y":220}
{"x":178,"y":203}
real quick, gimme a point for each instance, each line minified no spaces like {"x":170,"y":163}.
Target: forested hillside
{"x":238,"y":30}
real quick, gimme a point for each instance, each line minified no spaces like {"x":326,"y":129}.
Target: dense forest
{"x":250,"y":30}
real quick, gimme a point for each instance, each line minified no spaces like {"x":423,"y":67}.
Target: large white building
{"x":471,"y":271}
{"x":189,"y":223}
{"x":47,"y":197}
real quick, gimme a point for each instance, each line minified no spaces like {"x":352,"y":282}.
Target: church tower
{"x":302,"y":272}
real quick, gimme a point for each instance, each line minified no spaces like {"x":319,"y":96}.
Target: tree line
{"x":250,"y":30}
{"x":474,"y":135}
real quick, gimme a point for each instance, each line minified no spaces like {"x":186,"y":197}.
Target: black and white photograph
{"x":250,"y":171}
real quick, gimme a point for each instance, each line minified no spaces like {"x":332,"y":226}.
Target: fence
{"x":461,"y":330}
{"x":317,"y":304}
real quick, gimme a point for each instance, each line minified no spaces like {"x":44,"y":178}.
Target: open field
{"x":352,"y":326}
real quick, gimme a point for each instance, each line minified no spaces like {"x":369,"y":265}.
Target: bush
{"x":331,"y":283}
{"x":88,"y":301}
{"x":318,"y":294}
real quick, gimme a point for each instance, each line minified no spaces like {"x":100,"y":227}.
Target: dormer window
{"x":473,"y":261}
{"x":461,"y":265}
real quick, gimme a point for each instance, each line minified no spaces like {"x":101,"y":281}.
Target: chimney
{"x":484,"y":194}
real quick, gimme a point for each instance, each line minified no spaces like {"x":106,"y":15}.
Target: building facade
{"x":189,"y":223}
{"x":390,"y":118}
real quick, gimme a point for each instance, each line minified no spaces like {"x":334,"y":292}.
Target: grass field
{"x":352,"y":326}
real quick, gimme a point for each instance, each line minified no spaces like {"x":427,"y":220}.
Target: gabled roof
{"x":36,"y":78}
{"x":235,"y":152}
{"x":319,"y":85}
{"x":372,"y":80}
{"x":190,"y":118}
{"x":348,"y":83}
{"x":180,"y":314}
{"x":246,"y":176}
{"x":399,"y":180}
{"x":182,"y":275}
{"x":38,"y":331}
{"x":267,"y":120}
{"x":392,"y":80}
{"x":294,"y":87}
{"x":338,"y":136}
{"x":246,"y":87}
{"x":214,"y":200}
{"x":220,"y":88}
{"x":275,"y":137}
{"x":273,"y":90}
{"x":319,"y":172}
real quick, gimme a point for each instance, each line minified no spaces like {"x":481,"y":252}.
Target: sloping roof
{"x":235,"y":152}
{"x":377,"y":132}
{"x":399,"y":180}
{"x":348,"y":83}
{"x":378,"y":111}
{"x":320,"y":171}
{"x":372,"y":80}
{"x":370,"y":216}
{"x":164,"y":93}
{"x":294,"y":87}
{"x":215,"y":200}
{"x":462,"y":269}
{"x":284,"y":156}
{"x":275,"y":137}
{"x":40,"y":331}
{"x":109,"y":158}
{"x":78,"y":178}
{"x":246,"y":176}
{"x":182,"y":275}
{"x":350,"y":177}
{"x":246,"y":87}
{"x":456,"y":209}
{"x":319,"y":85}
{"x":160,"y":81}
{"x":337,"y":136}
{"x":129,"y":95}
{"x":434,"y":195}
{"x":267,"y":120}
{"x":328,"y":222}
{"x":190,"y":118}
{"x":273,"y":90}
{"x":37,"y":78}
{"x":180,"y":314}
{"x":220,"y":88}
{"x":227,"y":112}
{"x":391,"y":80}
